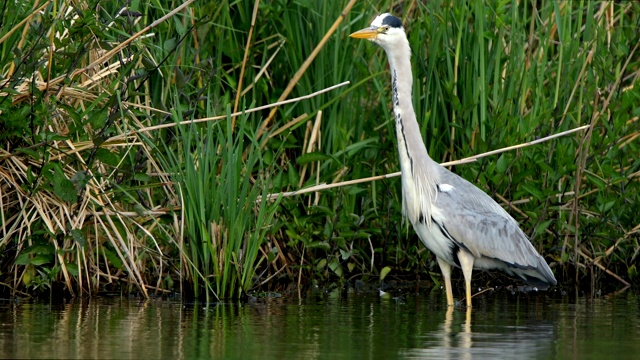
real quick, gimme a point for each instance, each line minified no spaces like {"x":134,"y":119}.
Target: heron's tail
{"x":540,"y":277}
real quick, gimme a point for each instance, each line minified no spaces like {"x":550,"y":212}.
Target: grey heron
{"x":454,"y":219}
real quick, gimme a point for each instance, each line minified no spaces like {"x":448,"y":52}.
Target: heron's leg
{"x":466,"y":263}
{"x":445,"y":268}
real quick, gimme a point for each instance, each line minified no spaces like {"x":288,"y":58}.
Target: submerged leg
{"x":466,"y":263}
{"x":445,"y":268}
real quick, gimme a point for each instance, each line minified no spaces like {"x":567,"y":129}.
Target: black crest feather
{"x":392,"y":21}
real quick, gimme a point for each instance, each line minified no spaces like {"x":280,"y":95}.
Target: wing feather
{"x":476,"y":222}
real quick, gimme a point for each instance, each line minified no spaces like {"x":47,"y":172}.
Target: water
{"x":326,"y":325}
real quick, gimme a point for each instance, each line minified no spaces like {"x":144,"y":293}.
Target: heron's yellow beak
{"x":367,"y":33}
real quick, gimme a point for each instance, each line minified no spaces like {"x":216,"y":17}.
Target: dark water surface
{"x":326,"y":326}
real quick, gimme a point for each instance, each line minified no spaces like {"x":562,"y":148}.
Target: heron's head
{"x":386,"y":30}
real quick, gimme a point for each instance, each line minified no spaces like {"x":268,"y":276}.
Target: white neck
{"x":419,"y":171}
{"x":407,"y":128}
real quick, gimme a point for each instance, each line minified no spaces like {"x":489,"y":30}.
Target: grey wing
{"x":477,"y":223}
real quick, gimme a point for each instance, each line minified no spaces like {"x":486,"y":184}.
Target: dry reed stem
{"x":263,"y":70}
{"x":26,"y":19}
{"x":478,"y":293}
{"x":602,"y":267}
{"x":311,"y":143}
{"x":55,"y":215}
{"x":581,"y":155}
{"x":305,"y":143}
{"x":65,"y":272}
{"x":220,"y":117}
{"x":304,"y":67}
{"x":285,"y":127}
{"x":395,"y":174}
{"x":272,"y":275}
{"x":15,"y":291}
{"x":317,"y":137}
{"x":244,"y":62}
{"x":512,"y":205}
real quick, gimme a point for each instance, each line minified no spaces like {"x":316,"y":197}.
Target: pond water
{"x":335,"y":325}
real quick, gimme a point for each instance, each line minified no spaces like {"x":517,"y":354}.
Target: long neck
{"x":410,"y":143}
{"x":419,"y":171}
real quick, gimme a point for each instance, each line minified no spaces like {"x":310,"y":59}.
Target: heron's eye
{"x":383,"y":29}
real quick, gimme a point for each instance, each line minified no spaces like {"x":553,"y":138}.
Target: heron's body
{"x":455,"y":220}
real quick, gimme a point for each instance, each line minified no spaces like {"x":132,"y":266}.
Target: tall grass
{"x":225,"y":225}
{"x":97,"y":194}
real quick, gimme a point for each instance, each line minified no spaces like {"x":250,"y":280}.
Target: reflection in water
{"x":459,"y":342}
{"x":456,"y":340}
{"x":335,"y":325}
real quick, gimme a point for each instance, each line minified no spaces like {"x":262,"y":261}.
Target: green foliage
{"x":226,"y":223}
